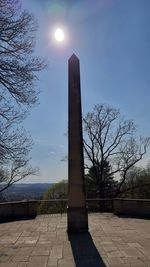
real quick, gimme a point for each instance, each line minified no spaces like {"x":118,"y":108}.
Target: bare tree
{"x":16,"y":171}
{"x":137,"y":183}
{"x":18,"y":72}
{"x":14,"y":158}
{"x":18,"y":66}
{"x":110,"y":138}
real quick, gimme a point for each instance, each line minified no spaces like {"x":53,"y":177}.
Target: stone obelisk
{"x":77,"y":211}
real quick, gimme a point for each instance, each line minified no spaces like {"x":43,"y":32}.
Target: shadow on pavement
{"x":84,"y":251}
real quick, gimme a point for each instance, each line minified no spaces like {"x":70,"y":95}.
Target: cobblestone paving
{"x":43,"y":242}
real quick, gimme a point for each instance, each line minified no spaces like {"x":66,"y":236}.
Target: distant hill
{"x":25,"y":191}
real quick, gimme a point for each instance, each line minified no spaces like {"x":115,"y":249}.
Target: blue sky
{"x":112,"y":40}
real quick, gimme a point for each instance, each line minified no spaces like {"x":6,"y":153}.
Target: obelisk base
{"x":77,"y":219}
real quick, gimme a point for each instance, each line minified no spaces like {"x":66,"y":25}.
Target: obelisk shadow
{"x":84,"y":250}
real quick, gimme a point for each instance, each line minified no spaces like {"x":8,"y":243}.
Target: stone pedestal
{"x":77,"y":212}
{"x":77,"y":219}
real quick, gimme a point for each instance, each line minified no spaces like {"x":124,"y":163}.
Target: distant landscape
{"x":19,"y":192}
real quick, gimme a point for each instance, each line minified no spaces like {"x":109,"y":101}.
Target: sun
{"x":59,"y":35}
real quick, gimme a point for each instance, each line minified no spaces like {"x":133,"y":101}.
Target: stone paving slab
{"x":43,"y":242}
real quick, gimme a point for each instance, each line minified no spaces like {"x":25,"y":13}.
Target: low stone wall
{"x":27,"y":209}
{"x":132,"y":207}
{"x":19,"y":209}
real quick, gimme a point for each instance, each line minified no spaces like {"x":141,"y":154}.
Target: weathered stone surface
{"x":52,"y":262}
{"x":125,"y":249}
{"x":38,"y":261}
{"x":18,"y":209}
{"x":77,"y":212}
{"x":77,"y":219}
{"x":132,"y":207}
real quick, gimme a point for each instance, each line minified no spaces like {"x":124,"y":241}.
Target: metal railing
{"x":52,"y":206}
{"x":100,"y":205}
{"x":60,"y":206}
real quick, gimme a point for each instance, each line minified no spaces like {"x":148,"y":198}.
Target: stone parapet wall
{"x":132,"y":207}
{"x":25,"y":209}
{"x":18,"y":209}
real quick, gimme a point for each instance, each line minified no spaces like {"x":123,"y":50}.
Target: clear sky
{"x":112,"y":40}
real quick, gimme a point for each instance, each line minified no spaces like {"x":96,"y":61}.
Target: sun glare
{"x":59,"y":35}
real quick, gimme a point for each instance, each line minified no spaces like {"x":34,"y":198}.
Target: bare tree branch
{"x":110,"y":138}
{"x":19,"y":68}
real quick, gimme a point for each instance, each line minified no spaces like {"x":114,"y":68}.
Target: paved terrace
{"x":43,"y":242}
